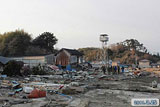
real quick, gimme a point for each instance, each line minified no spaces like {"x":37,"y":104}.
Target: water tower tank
{"x":104,"y":38}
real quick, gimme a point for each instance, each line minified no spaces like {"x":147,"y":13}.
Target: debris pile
{"x":72,"y":89}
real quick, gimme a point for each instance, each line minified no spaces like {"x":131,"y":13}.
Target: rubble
{"x":79,"y":103}
{"x":82,"y":89}
{"x":154,"y":84}
{"x":27,"y":89}
{"x":74,"y":84}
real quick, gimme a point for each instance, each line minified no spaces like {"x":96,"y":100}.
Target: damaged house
{"x":68,"y":56}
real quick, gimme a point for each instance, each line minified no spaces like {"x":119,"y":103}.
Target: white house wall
{"x":144,"y":64}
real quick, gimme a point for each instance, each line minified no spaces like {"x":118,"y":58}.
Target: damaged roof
{"x":144,"y":60}
{"x":71,"y":51}
{"x":4,"y":60}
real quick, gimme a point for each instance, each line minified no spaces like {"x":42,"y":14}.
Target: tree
{"x":46,"y":41}
{"x":110,"y":52}
{"x":91,"y":54}
{"x":14,"y":43}
{"x":34,"y":50}
{"x":133,"y":44}
{"x":127,"y":52}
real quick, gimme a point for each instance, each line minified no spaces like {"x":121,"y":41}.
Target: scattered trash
{"x":144,"y":73}
{"x":136,"y":72}
{"x":74,"y":84}
{"x":70,"y":97}
{"x":60,"y":89}
{"x":18,"y":90}
{"x":28,"y":90}
{"x":68,"y":91}
{"x":11,"y":93}
{"x":154,"y":84}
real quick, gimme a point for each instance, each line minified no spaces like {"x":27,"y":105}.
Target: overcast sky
{"x":78,"y":23}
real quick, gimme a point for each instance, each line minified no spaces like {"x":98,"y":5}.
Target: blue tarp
{"x":68,"y":68}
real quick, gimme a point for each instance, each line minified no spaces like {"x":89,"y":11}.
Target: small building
{"x":144,"y":63}
{"x":36,"y":60}
{"x":68,"y":56}
{"x":31,"y":60}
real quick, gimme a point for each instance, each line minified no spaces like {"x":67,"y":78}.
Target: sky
{"x":79,"y":23}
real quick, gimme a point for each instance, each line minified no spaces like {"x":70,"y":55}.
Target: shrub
{"x":26,"y":70}
{"x":13,"y":68}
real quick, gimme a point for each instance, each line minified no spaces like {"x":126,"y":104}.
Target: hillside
{"x":126,"y":52}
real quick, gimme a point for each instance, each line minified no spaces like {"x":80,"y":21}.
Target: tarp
{"x":36,"y":93}
{"x":68,"y":68}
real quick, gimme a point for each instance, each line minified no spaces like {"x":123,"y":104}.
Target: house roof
{"x":71,"y":51}
{"x":144,"y":60}
{"x":4,"y":60}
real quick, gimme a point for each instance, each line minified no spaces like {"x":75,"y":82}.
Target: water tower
{"x":104,"y":39}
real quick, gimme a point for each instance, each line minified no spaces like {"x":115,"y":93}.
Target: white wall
{"x":144,"y":64}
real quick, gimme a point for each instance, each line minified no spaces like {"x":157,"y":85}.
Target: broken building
{"x":68,"y":56}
